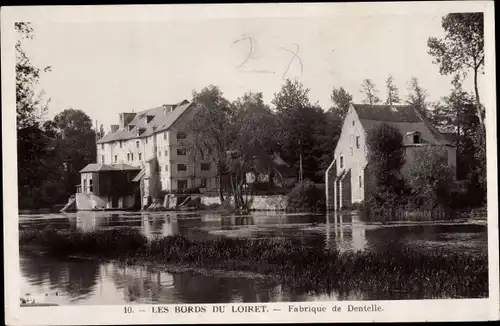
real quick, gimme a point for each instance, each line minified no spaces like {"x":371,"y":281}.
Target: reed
{"x":401,"y":273}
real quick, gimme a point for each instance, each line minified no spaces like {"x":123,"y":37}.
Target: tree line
{"x":233,"y":133}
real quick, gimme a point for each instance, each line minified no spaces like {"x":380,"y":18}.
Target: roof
{"x":100,"y":167}
{"x":161,"y":121}
{"x":139,"y":176}
{"x":405,"y":118}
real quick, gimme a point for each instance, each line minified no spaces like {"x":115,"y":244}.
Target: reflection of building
{"x":345,"y":177}
{"x":338,"y":223}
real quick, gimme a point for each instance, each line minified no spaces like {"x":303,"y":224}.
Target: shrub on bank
{"x":305,"y":196}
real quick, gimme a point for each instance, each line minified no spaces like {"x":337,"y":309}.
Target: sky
{"x":105,"y":68}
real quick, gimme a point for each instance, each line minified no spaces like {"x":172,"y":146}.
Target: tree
{"x":34,"y":140}
{"x":300,"y":126}
{"x":417,"y":96}
{"x":341,"y":101}
{"x":253,"y":129}
{"x":461,"y":50}
{"x":386,"y":158}
{"x":392,"y":91}
{"x":368,"y":88}
{"x":292,"y":95}
{"x":75,"y":144}
{"x":210,"y":127}
{"x":430,"y":178}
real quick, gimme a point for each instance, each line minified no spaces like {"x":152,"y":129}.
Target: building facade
{"x":156,"y":142}
{"x":345,"y":177}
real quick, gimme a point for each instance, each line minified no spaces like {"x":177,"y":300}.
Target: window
{"x":205,"y":166}
{"x":102,"y":159}
{"x":166,"y":152}
{"x":416,"y":138}
{"x":166,"y":168}
{"x":353,"y":122}
{"x":140,"y":156}
{"x":182,"y":184}
{"x":116,"y":158}
{"x":181,"y":151}
{"x":128,"y":156}
{"x":181,"y":167}
{"x":341,"y":162}
{"x":121,"y":143}
{"x":165,"y":135}
{"x":203,"y":182}
{"x":102,"y":146}
{"x":132,"y":156}
{"x":146,"y":140}
{"x":357,"y":141}
{"x":350,"y":149}
{"x":359,"y":182}
{"x":90,"y":185}
{"x":137,"y":143}
{"x":181,"y":135}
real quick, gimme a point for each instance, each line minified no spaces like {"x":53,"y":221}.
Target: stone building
{"x":156,"y":143}
{"x":345,"y":177}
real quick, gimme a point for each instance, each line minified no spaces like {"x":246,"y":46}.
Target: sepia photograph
{"x":249,"y":160}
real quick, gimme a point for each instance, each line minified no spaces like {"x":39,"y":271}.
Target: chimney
{"x":114,"y":128}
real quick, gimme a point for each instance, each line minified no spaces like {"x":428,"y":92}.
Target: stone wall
{"x":259,"y":203}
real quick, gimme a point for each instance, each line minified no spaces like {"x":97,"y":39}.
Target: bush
{"x":307,"y":196}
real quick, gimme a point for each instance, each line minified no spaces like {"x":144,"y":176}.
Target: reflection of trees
{"x":73,"y":277}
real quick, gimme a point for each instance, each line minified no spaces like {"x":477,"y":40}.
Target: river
{"x":88,"y":282}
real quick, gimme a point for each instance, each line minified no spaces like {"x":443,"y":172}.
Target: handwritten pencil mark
{"x":250,"y":51}
{"x":295,"y":55}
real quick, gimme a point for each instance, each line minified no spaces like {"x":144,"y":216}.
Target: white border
{"x":421,"y":310}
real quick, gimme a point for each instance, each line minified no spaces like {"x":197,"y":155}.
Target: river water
{"x":77,"y":281}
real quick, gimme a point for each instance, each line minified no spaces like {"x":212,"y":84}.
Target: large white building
{"x":155,"y":142}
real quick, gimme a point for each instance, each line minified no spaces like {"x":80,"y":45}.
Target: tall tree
{"x":299,"y":122}
{"x":461,"y":50}
{"x":341,"y":101}
{"x":210,"y":127}
{"x":370,"y":91}
{"x":392,"y":91}
{"x":75,"y":144}
{"x":417,"y":96}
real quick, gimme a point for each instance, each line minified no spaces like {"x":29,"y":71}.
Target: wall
{"x":274,"y":202}
{"x":354,"y":158}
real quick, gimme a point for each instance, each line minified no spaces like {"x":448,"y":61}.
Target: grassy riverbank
{"x":398,"y":273}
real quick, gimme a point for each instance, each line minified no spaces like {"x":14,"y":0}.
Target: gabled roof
{"x":161,"y":121}
{"x":405,"y":118}
{"x":100,"y":167}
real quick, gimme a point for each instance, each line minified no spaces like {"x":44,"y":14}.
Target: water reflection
{"x":90,"y":282}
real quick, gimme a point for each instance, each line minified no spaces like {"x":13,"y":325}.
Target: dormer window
{"x":416,"y":138}
{"x":130,"y":127}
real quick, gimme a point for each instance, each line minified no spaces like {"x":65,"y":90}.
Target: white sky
{"x":104,"y":68}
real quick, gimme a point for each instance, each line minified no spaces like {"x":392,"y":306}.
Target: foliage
{"x":370,"y":91}
{"x":306,"y":196}
{"x":417,"y":96}
{"x":457,"y":114}
{"x":384,"y":182}
{"x":430,"y":178}
{"x":461,"y":50}
{"x":419,"y":274}
{"x":341,"y":101}
{"x":392,"y":91}
{"x":210,"y":127}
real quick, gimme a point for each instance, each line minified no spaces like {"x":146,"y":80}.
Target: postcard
{"x":321,"y":162}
